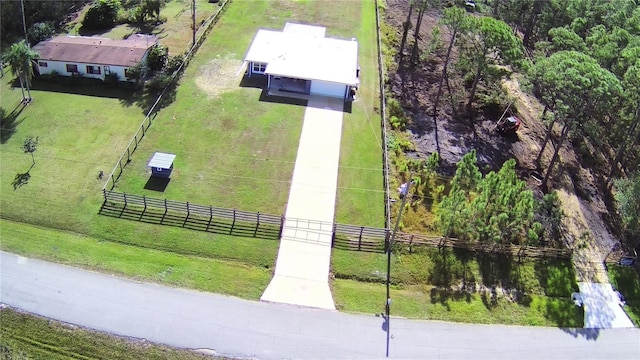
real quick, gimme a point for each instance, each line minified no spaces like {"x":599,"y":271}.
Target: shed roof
{"x":302,"y":52}
{"x":161,"y":160}
{"x":95,"y":50}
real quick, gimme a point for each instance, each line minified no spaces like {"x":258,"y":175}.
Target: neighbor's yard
{"x":175,"y":32}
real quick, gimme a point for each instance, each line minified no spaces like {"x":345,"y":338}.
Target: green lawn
{"x":27,"y":336}
{"x":626,"y":280}
{"x":425,"y":302}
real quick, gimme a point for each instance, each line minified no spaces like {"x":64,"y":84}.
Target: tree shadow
{"x":497,"y":270}
{"x":441,"y":275}
{"x":443,"y":296}
{"x":22,"y":179}
{"x":83,"y":86}
{"x":589,"y":334}
{"x":9,"y":122}
{"x":556,"y":277}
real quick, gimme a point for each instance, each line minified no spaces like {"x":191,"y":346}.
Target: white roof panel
{"x":301,"y":53}
{"x":305,"y":30}
{"x":161,"y":160}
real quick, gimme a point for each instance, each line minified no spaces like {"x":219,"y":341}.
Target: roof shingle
{"x":93,"y":50}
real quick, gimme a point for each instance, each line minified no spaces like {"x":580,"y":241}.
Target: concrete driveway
{"x":301,"y":276}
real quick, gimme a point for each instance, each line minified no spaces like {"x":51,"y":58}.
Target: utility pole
{"x":193,"y":21}
{"x":404,"y":194}
{"x":26,"y":40}
{"x":24,"y":23}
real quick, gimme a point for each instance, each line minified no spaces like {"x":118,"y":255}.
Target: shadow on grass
{"x":443,"y":296}
{"x":22,"y":179}
{"x":626,"y":279}
{"x":128,"y":94}
{"x":498,"y":270}
{"x":556,"y":277}
{"x":9,"y":123}
{"x":157,"y":184}
{"x":82,"y":86}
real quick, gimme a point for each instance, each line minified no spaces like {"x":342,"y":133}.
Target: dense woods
{"x":579,"y":58}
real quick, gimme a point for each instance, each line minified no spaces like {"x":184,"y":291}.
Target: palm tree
{"x":20,"y":57}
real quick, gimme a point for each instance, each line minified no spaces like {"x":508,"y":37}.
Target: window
{"x":126,"y":73}
{"x":72,"y":68}
{"x":95,"y":70}
{"x":43,"y":64}
{"x":259,"y":67}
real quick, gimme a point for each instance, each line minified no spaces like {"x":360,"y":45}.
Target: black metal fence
{"x":267,"y":226}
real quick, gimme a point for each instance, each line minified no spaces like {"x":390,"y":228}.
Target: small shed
{"x":161,"y":164}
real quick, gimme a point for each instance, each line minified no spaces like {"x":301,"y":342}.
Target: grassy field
{"x":626,"y":280}
{"x":26,"y":336}
{"x":426,"y":302}
{"x":427,"y":284}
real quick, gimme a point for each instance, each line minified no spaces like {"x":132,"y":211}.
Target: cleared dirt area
{"x":454,"y":134}
{"x":219,"y":75}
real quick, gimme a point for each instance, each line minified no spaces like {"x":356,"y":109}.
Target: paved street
{"x":232,"y":326}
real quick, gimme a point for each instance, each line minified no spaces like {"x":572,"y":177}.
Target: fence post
{"x":360,"y":238}
{"x":165,"y":211}
{"x":255,"y":231}
{"x":120,"y":163}
{"x":210,"y":217}
{"x":281,"y":226}
{"x":188,"y":214}
{"x":144,"y":200}
{"x":333,"y":235}
{"x":125,"y":199}
{"x":128,"y":154}
{"x":234,"y":221}
{"x":410,"y":242}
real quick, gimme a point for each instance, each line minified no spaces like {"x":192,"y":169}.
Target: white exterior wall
{"x":61,"y":69}
{"x":328,"y":89}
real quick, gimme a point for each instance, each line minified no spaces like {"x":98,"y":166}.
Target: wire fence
{"x":383,"y":112}
{"x":125,"y":158}
{"x":268,"y":226}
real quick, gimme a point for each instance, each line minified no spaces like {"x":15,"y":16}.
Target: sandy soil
{"x":219,"y":75}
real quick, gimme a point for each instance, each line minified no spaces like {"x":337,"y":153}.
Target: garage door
{"x":328,"y":89}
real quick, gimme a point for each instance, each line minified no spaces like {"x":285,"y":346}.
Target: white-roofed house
{"x":300,"y":60}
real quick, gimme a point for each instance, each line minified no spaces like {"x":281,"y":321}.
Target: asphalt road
{"x":236,"y":327}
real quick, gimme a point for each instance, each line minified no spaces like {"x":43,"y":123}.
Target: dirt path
{"x":586,"y":232}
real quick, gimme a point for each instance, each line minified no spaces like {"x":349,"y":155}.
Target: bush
{"x":40,"y":31}
{"x":158,"y":82}
{"x":157,"y":58}
{"x":112,"y":80}
{"x":102,"y":15}
{"x":173,"y":64}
